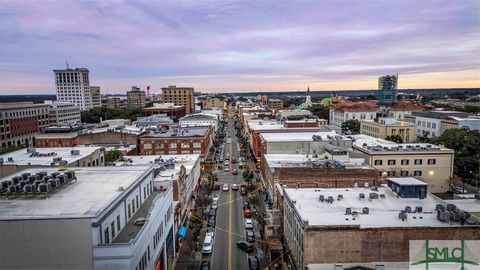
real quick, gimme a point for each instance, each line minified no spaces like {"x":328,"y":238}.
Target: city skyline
{"x":240,"y":46}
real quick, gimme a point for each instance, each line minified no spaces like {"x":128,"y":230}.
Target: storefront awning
{"x":182,"y":232}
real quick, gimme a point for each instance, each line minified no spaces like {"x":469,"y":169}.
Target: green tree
{"x":320,"y":111}
{"x":212,"y":179}
{"x":94,"y":115}
{"x":395,"y":138}
{"x":112,"y":155}
{"x":465,"y":143}
{"x":352,"y":126}
{"x":248,"y":176}
{"x":10,"y":148}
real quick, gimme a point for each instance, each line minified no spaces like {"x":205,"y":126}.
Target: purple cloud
{"x":239,"y":45}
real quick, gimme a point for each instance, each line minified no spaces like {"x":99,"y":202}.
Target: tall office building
{"x":73,"y":85}
{"x":96,"y":99}
{"x":387,"y":90}
{"x":136,"y":98}
{"x":183,"y":96}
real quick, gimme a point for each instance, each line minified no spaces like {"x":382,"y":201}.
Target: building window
{"x":391,"y":173}
{"x":159,"y":145}
{"x":107,"y":236}
{"x":185,"y":145}
{"x":147,"y":146}
{"x":173,"y":145}
{"x":118,"y":222}
{"x":197,"y":144}
{"x":417,"y":173}
{"x":378,"y":162}
{"x":391,"y":162}
{"x":404,"y":173}
{"x":112,"y":226}
{"x":432,"y":161}
{"x":418,"y":162}
{"x":405,"y":161}
{"x":434,"y":125}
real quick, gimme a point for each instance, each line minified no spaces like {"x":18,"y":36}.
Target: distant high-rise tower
{"x":73,"y":85}
{"x":308,"y":99}
{"x":182,"y":96}
{"x":387,"y":90}
{"x":136,"y":98}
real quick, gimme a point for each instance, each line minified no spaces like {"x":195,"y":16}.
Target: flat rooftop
{"x":188,"y":161}
{"x":302,"y":136}
{"x":383,"y":212}
{"x":296,"y":161}
{"x":95,"y":189}
{"x":410,"y":181}
{"x":45,"y":156}
{"x":180,"y":132}
{"x":372,"y":144}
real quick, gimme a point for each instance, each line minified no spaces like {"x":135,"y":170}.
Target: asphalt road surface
{"x":230,"y":223}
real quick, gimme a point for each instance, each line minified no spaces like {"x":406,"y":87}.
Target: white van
{"x":207,"y":244}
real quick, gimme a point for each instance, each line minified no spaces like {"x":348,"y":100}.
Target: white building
{"x":73,"y":85}
{"x":352,"y":111}
{"x":304,"y":143}
{"x":182,"y":171}
{"x":199,"y":119}
{"x":78,"y":156}
{"x":63,"y":113}
{"x":89,"y":218}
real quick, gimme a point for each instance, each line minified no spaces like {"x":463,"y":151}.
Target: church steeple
{"x":308,"y":90}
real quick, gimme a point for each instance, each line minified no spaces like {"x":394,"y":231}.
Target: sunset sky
{"x":229,"y":46}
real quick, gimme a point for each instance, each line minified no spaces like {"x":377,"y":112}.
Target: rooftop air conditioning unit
{"x":75,"y":152}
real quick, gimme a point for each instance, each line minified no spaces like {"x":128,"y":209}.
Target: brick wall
{"x":344,"y":245}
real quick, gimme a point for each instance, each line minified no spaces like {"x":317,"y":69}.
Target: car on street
{"x":205,"y":265}
{"x":226,"y":169}
{"x":246,"y":205}
{"x":245,"y":246}
{"x":207,"y":245}
{"x":247,"y":213}
{"x":225,"y":187}
{"x":210,"y":232}
{"x":234,"y":187}
{"x":212,"y":212}
{"x":240,"y":165}
{"x":234,"y":160}
{"x":253,"y":263}
{"x":215,"y":198}
{"x":235,"y":171}
{"x":460,"y":190}
{"x":250,"y":234}
{"x":211,"y":221}
{"x":243,"y":191}
{"x":248,"y":223}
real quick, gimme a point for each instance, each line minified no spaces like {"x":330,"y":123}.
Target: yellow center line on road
{"x":230,"y":230}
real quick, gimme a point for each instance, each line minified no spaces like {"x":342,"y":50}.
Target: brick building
{"x":371,"y":224}
{"x":19,"y":121}
{"x":175,"y":112}
{"x":180,"y":96}
{"x":102,"y":137}
{"x":180,"y":140}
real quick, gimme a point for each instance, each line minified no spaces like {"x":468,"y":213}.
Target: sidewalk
{"x":185,"y":261}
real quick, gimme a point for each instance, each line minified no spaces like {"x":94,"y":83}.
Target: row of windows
{"x":426,"y":124}
{"x":24,"y":113}
{"x":401,"y":173}
{"x":113,"y":229}
{"x":144,"y":260}
{"x":406,"y":162}
{"x":157,"y":236}
{"x":172,"y":145}
{"x":172,"y":152}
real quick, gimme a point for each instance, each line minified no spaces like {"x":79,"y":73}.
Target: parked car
{"x":246,"y":205}
{"x":234,"y":160}
{"x":460,"y":190}
{"x":234,"y":187}
{"x":253,"y":263}
{"x":225,"y":187}
{"x":247,"y":213}
{"x":205,"y":265}
{"x":207,"y":245}
{"x":215,"y":197}
{"x":226,"y":169}
{"x":250,"y":234}
{"x":213,"y":212}
{"x":248,"y":223}
{"x":243,"y":191}
{"x":216,"y":187}
{"x":211,"y":221}
{"x":245,"y":246}
{"x":235,"y":172}
{"x":210,"y":231}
